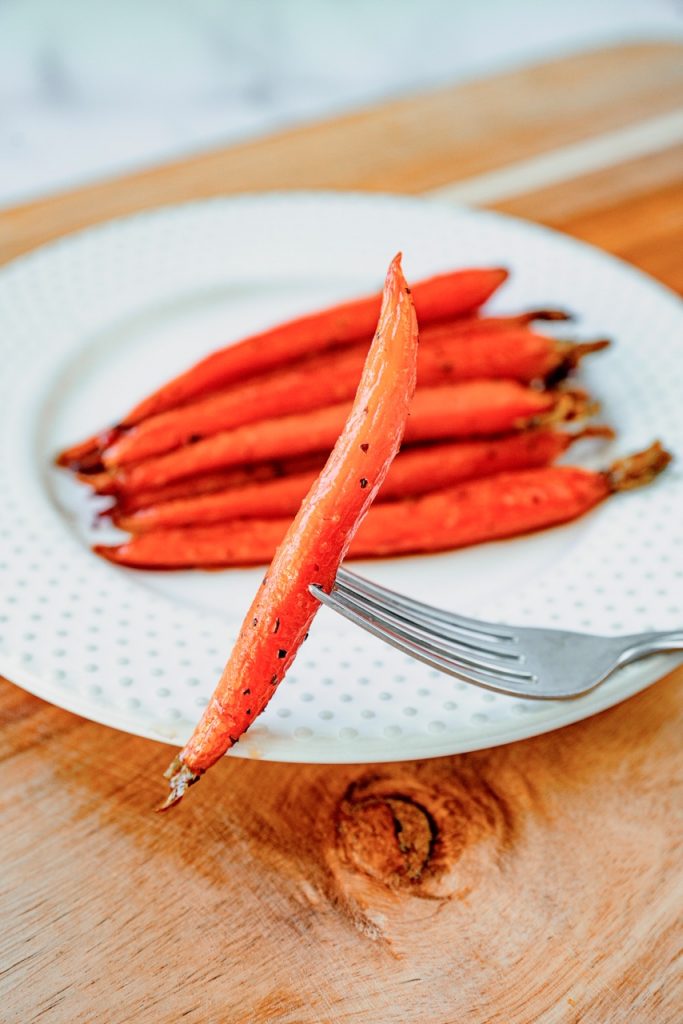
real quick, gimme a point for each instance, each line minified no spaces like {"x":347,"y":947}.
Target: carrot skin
{"x":316,"y":541}
{"x":470,"y":409}
{"x":414,"y":471}
{"x":210,"y":483}
{"x":80,"y":456}
{"x":438,"y":298}
{"x":447,"y":355}
{"x":491,"y":508}
{"x":503,"y":505}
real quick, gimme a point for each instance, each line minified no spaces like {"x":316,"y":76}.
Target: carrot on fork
{"x":315,"y":543}
{"x":480,"y":408}
{"x":504,"y":505}
{"x":414,"y":471}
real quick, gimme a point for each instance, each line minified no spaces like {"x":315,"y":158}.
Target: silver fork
{"x":545,"y":664}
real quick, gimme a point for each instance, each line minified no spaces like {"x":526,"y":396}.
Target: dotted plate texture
{"x":90,"y":324}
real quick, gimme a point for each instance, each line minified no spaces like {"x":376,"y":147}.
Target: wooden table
{"x":298,"y":894}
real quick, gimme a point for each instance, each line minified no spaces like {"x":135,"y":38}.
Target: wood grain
{"x":409,"y":145}
{"x":537,"y":883}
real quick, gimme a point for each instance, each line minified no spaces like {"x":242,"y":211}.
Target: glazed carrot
{"x":210,"y":483}
{"x":86,"y":455}
{"x":504,"y":505}
{"x":414,"y":471}
{"x":470,"y":409}
{"x":315,"y":543}
{"x":511,"y":353}
{"x":438,"y":298}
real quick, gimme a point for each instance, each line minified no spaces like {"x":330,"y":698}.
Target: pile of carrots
{"x":209,"y":470}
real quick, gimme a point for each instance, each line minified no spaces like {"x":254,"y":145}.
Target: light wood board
{"x":537,"y":883}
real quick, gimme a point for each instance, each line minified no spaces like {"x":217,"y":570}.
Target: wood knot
{"x":389,"y":837}
{"x":433,"y":829}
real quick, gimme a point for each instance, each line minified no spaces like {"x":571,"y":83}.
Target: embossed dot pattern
{"x":142,"y":653}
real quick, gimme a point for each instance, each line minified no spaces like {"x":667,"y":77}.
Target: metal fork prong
{"x":439,"y":646}
{"x":435,"y":643}
{"x":359,"y":584}
{"x":445,"y":632}
{"x":497,"y":683}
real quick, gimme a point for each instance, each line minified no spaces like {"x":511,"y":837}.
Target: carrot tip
{"x":180,"y":779}
{"x":639,"y":469}
{"x":110,"y":553}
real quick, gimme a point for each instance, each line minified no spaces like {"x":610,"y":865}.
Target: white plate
{"x":89,"y":325}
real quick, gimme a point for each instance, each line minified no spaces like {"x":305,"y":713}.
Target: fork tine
{"x":469,"y":655}
{"x":489,"y":681}
{"x":358,"y":584}
{"x":445,"y":632}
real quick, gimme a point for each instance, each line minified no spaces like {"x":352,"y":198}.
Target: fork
{"x":522,"y":661}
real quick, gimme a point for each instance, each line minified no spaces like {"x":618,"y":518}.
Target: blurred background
{"x":88,"y":90}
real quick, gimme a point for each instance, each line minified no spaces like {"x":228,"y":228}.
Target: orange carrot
{"x":448,"y":356}
{"x":504,"y":505}
{"x":85,"y":456}
{"x":315,"y":543}
{"x":443,"y":297}
{"x":210,"y":483}
{"x":437,"y":298}
{"x":414,"y":471}
{"x":470,"y":409}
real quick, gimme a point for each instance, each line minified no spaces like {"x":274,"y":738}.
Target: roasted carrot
{"x":513,"y":353}
{"x":86,"y":456}
{"x":504,"y":505}
{"x":315,"y":543}
{"x":210,"y":483}
{"x":414,"y":471}
{"x":437,"y":298}
{"x":470,"y":409}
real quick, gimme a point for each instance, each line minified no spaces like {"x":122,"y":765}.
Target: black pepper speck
{"x":277,"y":625}
{"x":281,"y":653}
{"x":363,"y":482}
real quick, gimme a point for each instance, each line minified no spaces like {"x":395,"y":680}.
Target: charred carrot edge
{"x":639,"y":469}
{"x":414,"y":471}
{"x":469,"y":409}
{"x":513,"y":353}
{"x":315,"y":543}
{"x":85,"y":456}
{"x":503,"y":505}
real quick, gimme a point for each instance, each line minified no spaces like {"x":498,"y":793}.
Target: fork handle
{"x":640,"y":645}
